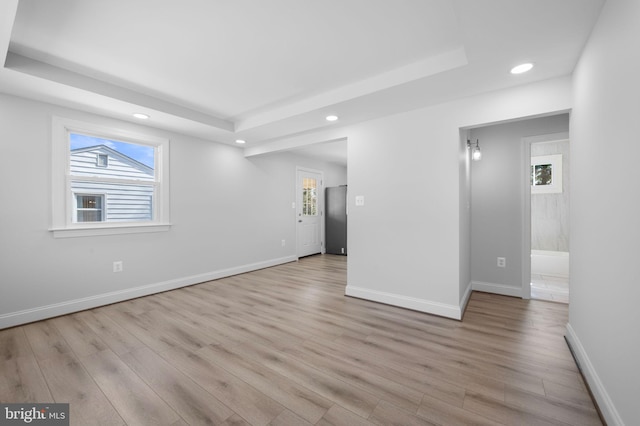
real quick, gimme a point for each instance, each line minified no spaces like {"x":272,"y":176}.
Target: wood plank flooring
{"x":284,"y":346}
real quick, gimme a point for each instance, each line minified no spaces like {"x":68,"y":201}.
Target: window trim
{"x":62,"y":197}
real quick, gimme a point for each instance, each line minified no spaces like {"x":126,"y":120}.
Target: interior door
{"x":309,"y":212}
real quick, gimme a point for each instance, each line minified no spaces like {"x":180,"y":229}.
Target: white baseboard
{"x":502,"y":289}
{"x":598,"y":390}
{"x":554,"y":263}
{"x":25,"y":316}
{"x":465,"y":299}
{"x":436,"y":308}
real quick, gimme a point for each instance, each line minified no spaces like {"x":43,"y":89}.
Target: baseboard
{"x":598,"y":390}
{"x":502,"y":289}
{"x":436,"y":308}
{"x":12,"y":319}
{"x":553,"y":263}
{"x":465,"y":299}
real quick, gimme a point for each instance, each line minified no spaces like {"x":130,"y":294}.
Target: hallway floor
{"x":551,"y":288}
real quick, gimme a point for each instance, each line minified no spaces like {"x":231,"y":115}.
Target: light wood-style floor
{"x":284,"y":346}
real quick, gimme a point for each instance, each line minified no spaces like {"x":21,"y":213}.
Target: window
{"x":107,"y":181}
{"x":542,"y":174}
{"x":102,"y":160}
{"x":309,"y":197}
{"x":89,"y":208}
{"x":546,"y":174}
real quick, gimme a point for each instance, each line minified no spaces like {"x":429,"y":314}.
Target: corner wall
{"x":407,"y":244}
{"x":221,"y":226}
{"x":604,"y":318}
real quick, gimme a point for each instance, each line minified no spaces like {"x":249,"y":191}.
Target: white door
{"x":309,"y":212}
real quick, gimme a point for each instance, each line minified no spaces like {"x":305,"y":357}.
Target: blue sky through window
{"x":141,"y":153}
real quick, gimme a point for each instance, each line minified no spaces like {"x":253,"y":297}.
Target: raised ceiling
{"x":262,"y":70}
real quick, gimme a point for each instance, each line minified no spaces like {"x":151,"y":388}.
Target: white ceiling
{"x":262,"y":70}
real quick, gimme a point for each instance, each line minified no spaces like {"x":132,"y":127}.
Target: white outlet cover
{"x":359,"y":200}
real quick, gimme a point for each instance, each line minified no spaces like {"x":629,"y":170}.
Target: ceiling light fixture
{"x":522,"y":68}
{"x":240,"y":141}
{"x":476,"y":155}
{"x":332,"y":117}
{"x":141,"y":116}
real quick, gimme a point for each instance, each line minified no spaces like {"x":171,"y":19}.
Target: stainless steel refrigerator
{"x":335,"y":220}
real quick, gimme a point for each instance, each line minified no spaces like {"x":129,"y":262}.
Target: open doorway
{"x":549,"y":216}
{"x":500,"y":201}
{"x":320,"y":166}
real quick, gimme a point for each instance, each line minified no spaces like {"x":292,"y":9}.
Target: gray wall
{"x":550,"y":212}
{"x":604,"y":318}
{"x":228,"y":213}
{"x":497,"y":201}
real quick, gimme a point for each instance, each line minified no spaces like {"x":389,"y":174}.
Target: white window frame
{"x":63,"y":198}
{"x":555,"y":161}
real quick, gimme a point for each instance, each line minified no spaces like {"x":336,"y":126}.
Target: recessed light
{"x":141,"y":116}
{"x":332,"y":117}
{"x":240,"y":141}
{"x":521,"y":68}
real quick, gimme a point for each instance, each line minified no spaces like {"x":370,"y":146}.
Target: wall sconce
{"x":476,"y":155}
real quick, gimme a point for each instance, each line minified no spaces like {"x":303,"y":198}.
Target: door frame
{"x":526,"y":202}
{"x":299,"y":206}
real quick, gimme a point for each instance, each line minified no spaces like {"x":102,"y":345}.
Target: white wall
{"x":497,"y":202}
{"x":405,"y":245}
{"x":604,"y":318}
{"x":229,"y":215}
{"x":465,"y":219}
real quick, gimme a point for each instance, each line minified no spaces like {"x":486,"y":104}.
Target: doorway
{"x":309,"y":211}
{"x":548,"y":184}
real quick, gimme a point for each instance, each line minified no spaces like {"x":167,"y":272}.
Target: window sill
{"x":90,"y":231}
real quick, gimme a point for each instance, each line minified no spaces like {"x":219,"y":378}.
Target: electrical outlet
{"x":284,"y":243}
{"x":118,"y":266}
{"x":502,"y":262}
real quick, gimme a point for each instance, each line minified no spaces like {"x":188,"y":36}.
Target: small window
{"x":89,"y":208}
{"x":542,"y":174}
{"x":102,"y":160}
{"x":309,"y":197}
{"x":546,"y":174}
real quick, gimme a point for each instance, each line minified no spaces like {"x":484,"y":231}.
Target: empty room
{"x":292,"y":212}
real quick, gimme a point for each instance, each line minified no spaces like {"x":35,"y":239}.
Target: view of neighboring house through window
{"x":111,"y":181}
